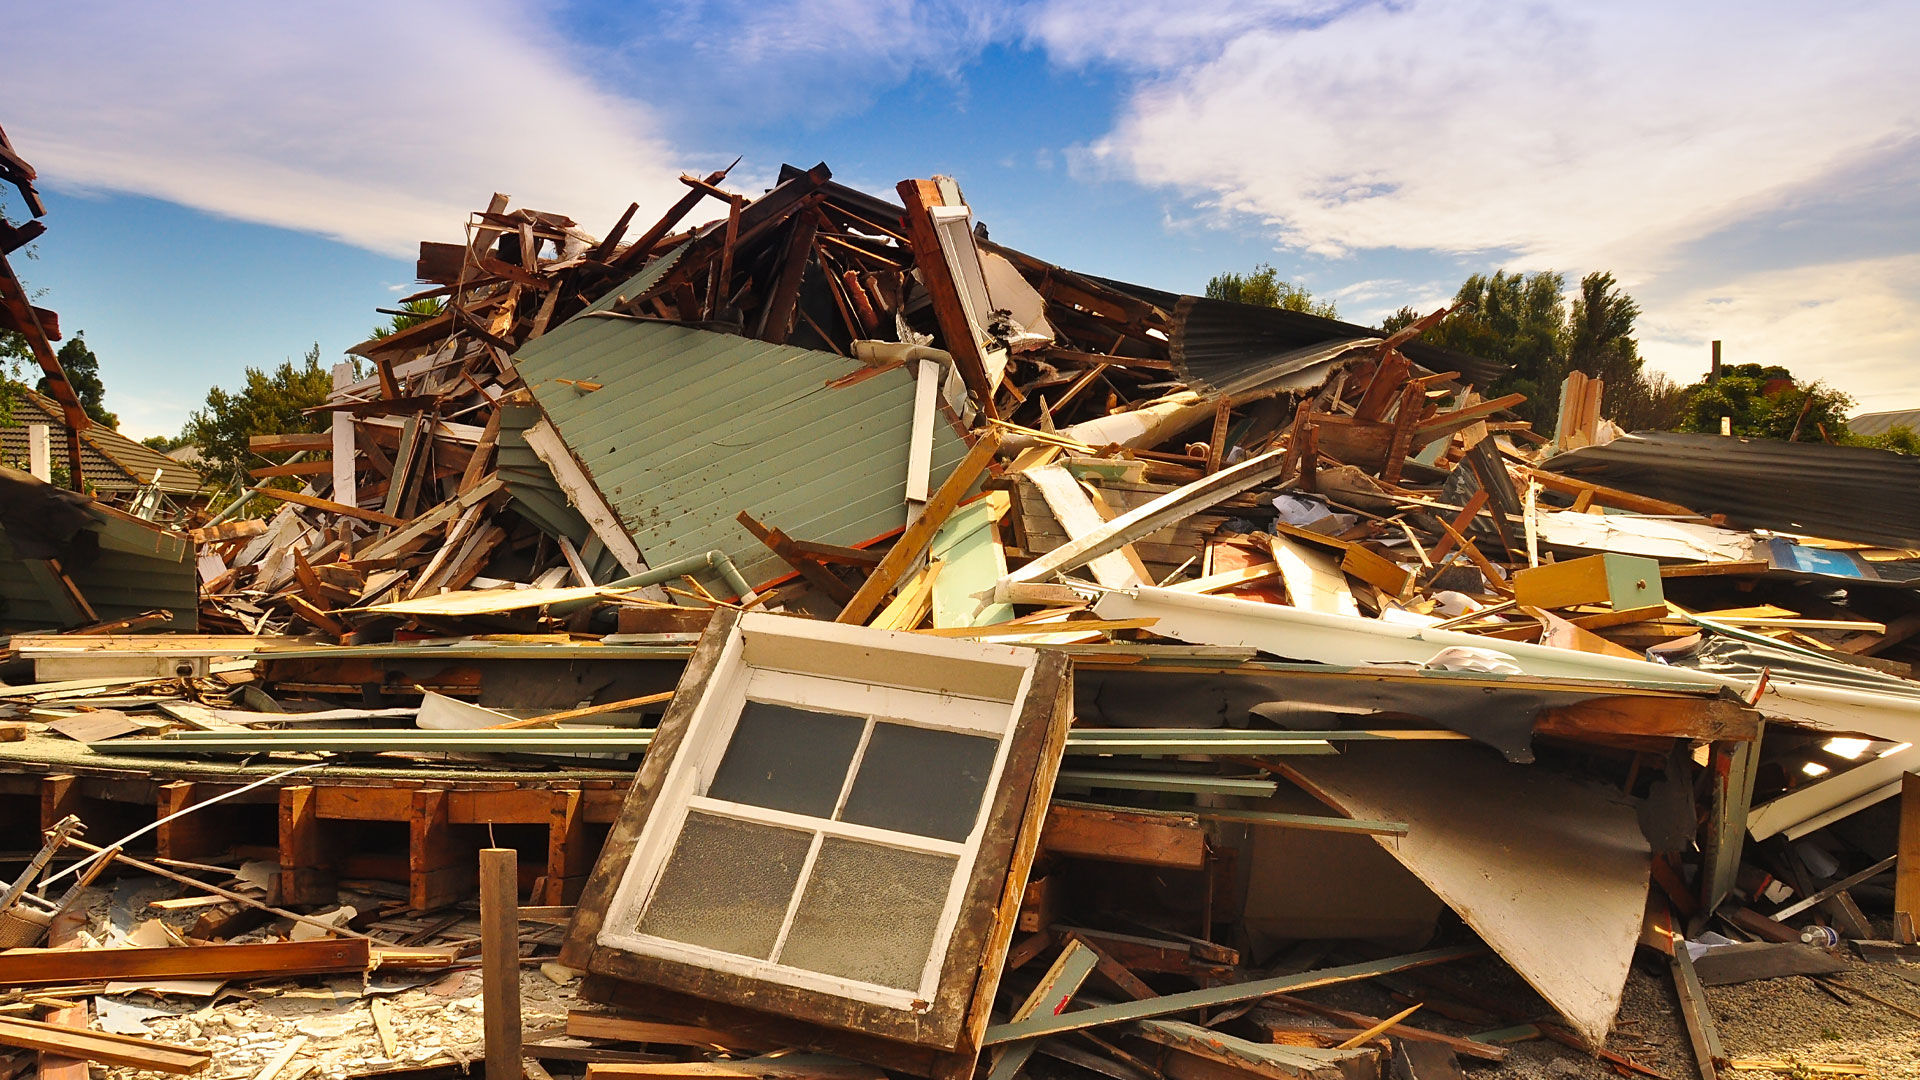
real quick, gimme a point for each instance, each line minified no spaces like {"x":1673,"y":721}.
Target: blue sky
{"x":230,"y":183}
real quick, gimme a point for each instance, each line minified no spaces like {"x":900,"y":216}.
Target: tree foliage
{"x":83,"y":373}
{"x":269,"y":403}
{"x":1526,"y":322}
{"x":1262,"y":287}
{"x":418,"y":311}
{"x":1766,"y":403}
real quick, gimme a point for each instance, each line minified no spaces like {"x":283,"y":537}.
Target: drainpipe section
{"x":715,"y":561}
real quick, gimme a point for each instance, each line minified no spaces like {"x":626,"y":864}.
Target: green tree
{"x":165,"y":444}
{"x":15,"y":355}
{"x":1515,"y":319}
{"x":1527,"y":323}
{"x":83,"y":372}
{"x":1766,"y":402}
{"x":269,"y":403}
{"x":1262,"y":287}
{"x":417,"y":312}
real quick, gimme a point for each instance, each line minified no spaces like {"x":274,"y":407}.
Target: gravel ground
{"x":1792,"y":1019}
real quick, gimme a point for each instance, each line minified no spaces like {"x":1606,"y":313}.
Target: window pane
{"x":869,"y":913}
{"x":787,"y":758}
{"x":727,"y":885}
{"x":920,"y":781}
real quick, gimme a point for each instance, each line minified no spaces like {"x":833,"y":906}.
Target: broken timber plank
{"x":107,"y":1049}
{"x":1056,"y":989}
{"x":919,"y":533}
{"x":1219,"y":995}
{"x":1143,"y":520}
{"x":328,"y":505}
{"x":47,"y":967}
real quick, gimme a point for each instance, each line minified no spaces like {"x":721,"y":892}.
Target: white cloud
{"x":1850,"y":325}
{"x":1159,"y":33}
{"x":1567,"y":133}
{"x":378,"y":124}
{"x":813,"y":60}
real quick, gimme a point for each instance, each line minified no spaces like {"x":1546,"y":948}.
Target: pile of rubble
{"x":870,"y":640}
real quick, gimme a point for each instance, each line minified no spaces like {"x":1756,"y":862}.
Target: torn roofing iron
{"x":1808,"y":488}
{"x":1215,"y":342}
{"x":689,"y":427}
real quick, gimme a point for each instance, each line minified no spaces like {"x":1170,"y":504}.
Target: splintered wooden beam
{"x":86,"y":1045}
{"x":1706,"y":719}
{"x":1055,"y":991}
{"x":270,"y":959}
{"x":781,"y":544}
{"x":919,"y":197}
{"x":919,"y":533}
{"x":1209,"y":997}
{"x":328,"y":505}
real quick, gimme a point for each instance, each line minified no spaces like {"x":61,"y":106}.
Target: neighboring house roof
{"x":109,"y":461}
{"x":1879,"y":423}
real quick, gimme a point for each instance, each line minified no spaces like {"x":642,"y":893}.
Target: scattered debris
{"x":828,"y":641}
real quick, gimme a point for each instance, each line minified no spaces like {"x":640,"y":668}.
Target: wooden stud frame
{"x":1035,"y":687}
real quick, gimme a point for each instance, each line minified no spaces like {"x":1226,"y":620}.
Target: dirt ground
{"x":434,"y":1018}
{"x":1794,"y":1020}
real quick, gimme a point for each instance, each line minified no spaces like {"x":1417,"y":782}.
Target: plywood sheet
{"x":1552,"y":873}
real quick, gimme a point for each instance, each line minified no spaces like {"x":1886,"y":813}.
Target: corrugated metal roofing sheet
{"x":691,"y":427}
{"x":1879,"y":423}
{"x":1837,"y":492}
{"x":1217,"y":340}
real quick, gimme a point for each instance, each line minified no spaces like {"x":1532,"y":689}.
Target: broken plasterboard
{"x":1552,"y":873}
{"x":1313,"y":578}
{"x":1652,"y":537}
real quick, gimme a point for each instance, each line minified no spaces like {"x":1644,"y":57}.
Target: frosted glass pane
{"x":869,"y":913}
{"x":915,"y":780}
{"x":787,"y":758}
{"x":727,"y":885}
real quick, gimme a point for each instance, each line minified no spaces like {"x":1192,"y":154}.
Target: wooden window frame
{"x":1036,"y":689}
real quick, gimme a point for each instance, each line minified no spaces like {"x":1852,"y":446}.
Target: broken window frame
{"x":951,"y":1027}
{"x":707,"y":742}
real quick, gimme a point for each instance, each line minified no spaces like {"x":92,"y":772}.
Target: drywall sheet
{"x":1552,"y":873}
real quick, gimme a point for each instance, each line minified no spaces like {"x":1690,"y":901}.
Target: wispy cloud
{"x":788,"y":60}
{"x":377,"y":124}
{"x":1560,"y":131}
{"x":1653,"y":139}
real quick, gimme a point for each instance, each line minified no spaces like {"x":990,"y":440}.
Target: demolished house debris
{"x":865,"y":646}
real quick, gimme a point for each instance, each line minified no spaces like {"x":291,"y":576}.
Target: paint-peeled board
{"x":1551,"y":873}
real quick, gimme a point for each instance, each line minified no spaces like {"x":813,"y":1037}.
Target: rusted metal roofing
{"x":689,"y":427}
{"x":1837,"y":492}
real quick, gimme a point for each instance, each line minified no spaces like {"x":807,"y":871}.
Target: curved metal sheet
{"x":1837,"y":492}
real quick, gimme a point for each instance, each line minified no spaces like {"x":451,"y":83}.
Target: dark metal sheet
{"x":1838,"y":492}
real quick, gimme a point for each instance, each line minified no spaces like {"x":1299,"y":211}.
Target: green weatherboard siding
{"x":691,"y":427}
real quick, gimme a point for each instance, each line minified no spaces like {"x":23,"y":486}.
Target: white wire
{"x":83,"y":863}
